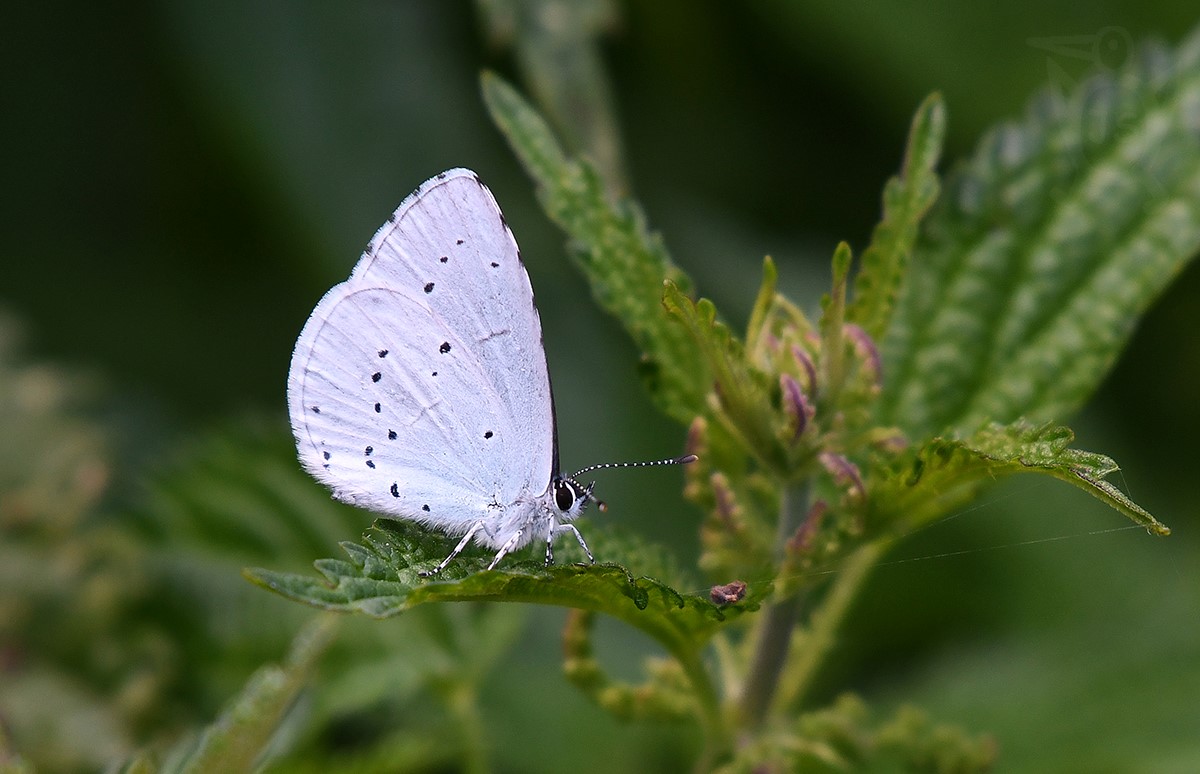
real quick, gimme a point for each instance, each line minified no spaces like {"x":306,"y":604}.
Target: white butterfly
{"x":418,"y":388}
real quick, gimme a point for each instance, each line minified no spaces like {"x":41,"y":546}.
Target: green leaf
{"x":240,"y":738}
{"x":382,"y":579}
{"x":200,"y":500}
{"x":663,"y":696}
{"x":741,"y":390}
{"x":1044,"y":249}
{"x":833,"y":328}
{"x":844,"y":737}
{"x":625,"y":264}
{"x":906,"y":199}
{"x":946,"y":471}
{"x":557,"y":48}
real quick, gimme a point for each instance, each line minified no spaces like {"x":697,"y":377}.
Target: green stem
{"x":778,"y":622}
{"x":463,"y":704}
{"x":807,"y":655}
{"x":716,"y":735}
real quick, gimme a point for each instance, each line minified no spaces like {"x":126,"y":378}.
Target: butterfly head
{"x":572,"y":498}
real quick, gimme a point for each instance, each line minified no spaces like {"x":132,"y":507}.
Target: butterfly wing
{"x":418,"y":387}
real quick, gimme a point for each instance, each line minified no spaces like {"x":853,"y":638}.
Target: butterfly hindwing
{"x":419,"y":387}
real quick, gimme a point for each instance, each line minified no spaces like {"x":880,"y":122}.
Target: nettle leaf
{"x":665,"y":694}
{"x":625,"y":263}
{"x":742,"y":396}
{"x":906,"y":199}
{"x":239,"y":739}
{"x":557,"y":47}
{"x":946,"y":471}
{"x":1032,"y":270}
{"x":381,"y":579}
{"x":199,"y":498}
{"x":845,"y":737}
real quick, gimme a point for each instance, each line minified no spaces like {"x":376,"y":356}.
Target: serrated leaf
{"x":239,"y":738}
{"x":1031,"y":272}
{"x":947,"y":470}
{"x":665,"y":695}
{"x":625,"y":264}
{"x":741,"y":390}
{"x":682,"y":622}
{"x":844,"y":737}
{"x":557,"y":48}
{"x":201,"y":497}
{"x":906,"y":199}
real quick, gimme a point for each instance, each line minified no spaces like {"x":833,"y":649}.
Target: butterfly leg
{"x":457,"y":550}
{"x":558,"y":530}
{"x":504,"y":549}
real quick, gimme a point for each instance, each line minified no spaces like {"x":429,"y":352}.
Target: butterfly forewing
{"x":432,"y":353}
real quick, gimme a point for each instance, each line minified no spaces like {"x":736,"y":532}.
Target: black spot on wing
{"x":378,"y":409}
{"x":395,"y":490}
{"x":458,"y":241}
{"x":369,"y":451}
{"x":488,"y":434}
{"x":376,"y":376}
{"x":428,"y":287}
{"x":495,"y":265}
{"x":444,"y":348}
{"x":371,"y":464}
{"x":425,"y":508}
{"x":316,"y":410}
{"x":383,"y":353}
{"x":391,"y":435}
{"x":326,"y":455}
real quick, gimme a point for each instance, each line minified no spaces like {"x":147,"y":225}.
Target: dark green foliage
{"x":985,"y":310}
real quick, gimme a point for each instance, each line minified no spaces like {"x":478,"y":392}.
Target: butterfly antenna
{"x":685,"y":459}
{"x":600,"y":504}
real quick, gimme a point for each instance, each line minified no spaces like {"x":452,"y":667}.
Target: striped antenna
{"x":685,"y":459}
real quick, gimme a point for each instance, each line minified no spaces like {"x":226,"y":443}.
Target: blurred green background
{"x":184,"y":179}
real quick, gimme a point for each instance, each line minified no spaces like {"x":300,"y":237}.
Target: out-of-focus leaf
{"x":240,"y":738}
{"x":625,"y":263}
{"x":1046,"y":247}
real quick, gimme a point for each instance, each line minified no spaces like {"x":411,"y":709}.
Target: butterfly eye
{"x":565,"y":495}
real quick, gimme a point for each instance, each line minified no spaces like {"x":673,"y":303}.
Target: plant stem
{"x":802,"y":664}
{"x":463,"y":703}
{"x":778,"y":622}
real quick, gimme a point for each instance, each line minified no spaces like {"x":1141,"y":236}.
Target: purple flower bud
{"x":806,"y":366}
{"x":891,"y":443}
{"x":802,"y":540}
{"x":844,"y":472}
{"x":697,"y":436}
{"x":795,"y":404}
{"x":864,"y":347}
{"x":726,"y":504}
